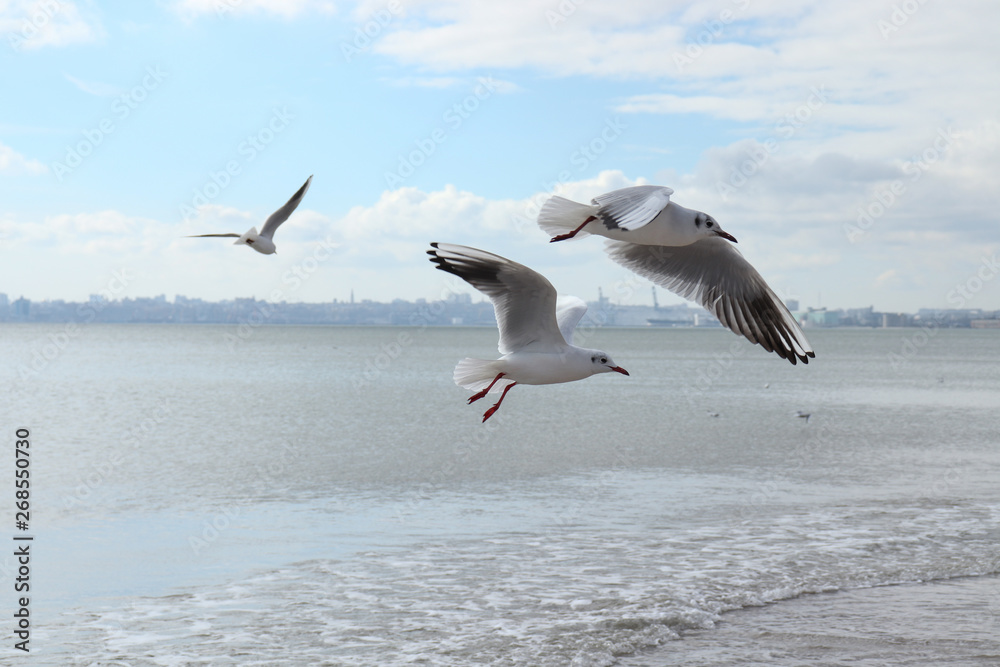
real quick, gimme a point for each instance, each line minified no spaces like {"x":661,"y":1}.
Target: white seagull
{"x":687,"y":252}
{"x":536,"y":333}
{"x":264,"y":241}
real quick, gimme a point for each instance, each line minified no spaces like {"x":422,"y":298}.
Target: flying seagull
{"x":687,"y":252}
{"x":536,"y":328}
{"x":264,"y":241}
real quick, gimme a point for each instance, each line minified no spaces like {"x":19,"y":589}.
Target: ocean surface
{"x":280,"y":495}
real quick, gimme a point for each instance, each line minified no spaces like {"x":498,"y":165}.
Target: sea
{"x":320,"y":495}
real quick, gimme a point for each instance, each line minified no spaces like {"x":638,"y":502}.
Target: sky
{"x":851,"y":147}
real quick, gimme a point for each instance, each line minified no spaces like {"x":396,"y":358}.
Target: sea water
{"x":289,"y":495}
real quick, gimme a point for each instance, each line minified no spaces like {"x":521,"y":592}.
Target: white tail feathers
{"x":249,"y":235}
{"x":476,"y":374}
{"x":560,"y":215}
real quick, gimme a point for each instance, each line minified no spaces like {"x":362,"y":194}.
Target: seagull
{"x":264,"y":241}
{"x":536,"y":328}
{"x":687,"y":252}
{"x":803,"y":415}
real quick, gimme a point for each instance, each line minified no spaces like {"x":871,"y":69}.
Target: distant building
{"x":22,"y":308}
{"x":792,"y":304}
{"x":894,"y":320}
{"x":821,"y":317}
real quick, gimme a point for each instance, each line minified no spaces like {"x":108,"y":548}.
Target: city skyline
{"x":456,"y":308}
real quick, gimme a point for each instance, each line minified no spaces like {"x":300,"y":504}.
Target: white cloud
{"x":12,"y":162}
{"x":34,"y":24}
{"x":886,"y":75}
{"x":287,"y":9}
{"x":96,"y":88}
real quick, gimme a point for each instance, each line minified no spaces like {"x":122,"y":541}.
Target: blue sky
{"x":851,"y":147}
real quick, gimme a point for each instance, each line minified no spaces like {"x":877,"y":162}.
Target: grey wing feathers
{"x":569,"y":311}
{"x":524,"y":300}
{"x":282,"y":213}
{"x":632,"y":208}
{"x":715,"y":274}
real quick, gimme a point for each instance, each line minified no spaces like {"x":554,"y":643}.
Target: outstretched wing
{"x":205,"y":236}
{"x":569,"y":311}
{"x":714,"y":273}
{"x":282,"y":213}
{"x":632,"y":208}
{"x":524,"y":301}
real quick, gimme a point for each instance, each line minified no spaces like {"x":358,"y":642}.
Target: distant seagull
{"x":803,"y":415}
{"x":712,"y":414}
{"x":687,"y":252}
{"x":536,"y":333}
{"x":264,"y":242}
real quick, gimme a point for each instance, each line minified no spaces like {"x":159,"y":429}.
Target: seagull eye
{"x":708,"y":224}
{"x":604,"y":360}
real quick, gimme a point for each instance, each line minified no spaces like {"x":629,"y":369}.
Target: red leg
{"x":563,"y":237}
{"x":489,"y":413}
{"x":482,"y":393}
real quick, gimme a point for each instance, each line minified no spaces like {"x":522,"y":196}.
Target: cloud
{"x":12,"y":162}
{"x":287,"y":9}
{"x":34,"y":24}
{"x":495,"y":86}
{"x":885,"y":73}
{"x":96,"y":88}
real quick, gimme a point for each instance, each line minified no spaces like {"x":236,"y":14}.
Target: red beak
{"x":619,"y":369}
{"x":726,"y":235}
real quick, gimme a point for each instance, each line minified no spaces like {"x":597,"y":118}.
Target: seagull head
{"x":602,"y":363}
{"x":708,"y":226}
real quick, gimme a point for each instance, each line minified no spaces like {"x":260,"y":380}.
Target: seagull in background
{"x":687,"y":252}
{"x":803,"y":415}
{"x":536,"y":328}
{"x":264,"y":241}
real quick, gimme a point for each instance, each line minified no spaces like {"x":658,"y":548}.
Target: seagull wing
{"x":632,"y":208}
{"x":569,"y":311}
{"x":282,"y":213}
{"x":524,"y":301}
{"x":714,"y":273}
{"x":205,"y":236}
